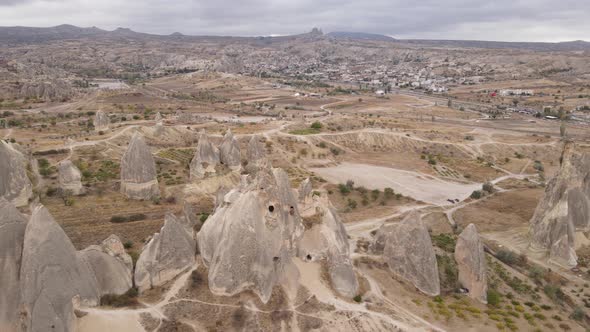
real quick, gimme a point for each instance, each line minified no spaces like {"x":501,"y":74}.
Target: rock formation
{"x":471,"y":262}
{"x":70,"y":178}
{"x":111,"y":265}
{"x":564,"y":210}
{"x":101,"y":121}
{"x":325,"y":239}
{"x":138,"y":171}
{"x":250,"y":240}
{"x":256,"y":155}
{"x":408,"y":251}
{"x":166,"y":255}
{"x":12,"y":233}
{"x":229,"y":151}
{"x":51,"y":276}
{"x":158,"y":119}
{"x":15,"y":185}
{"x":205,"y":160}
{"x":305,"y":191}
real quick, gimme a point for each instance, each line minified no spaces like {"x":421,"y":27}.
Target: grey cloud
{"x":540,"y":20}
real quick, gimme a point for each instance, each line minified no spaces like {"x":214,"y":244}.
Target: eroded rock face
{"x":15,"y":185}
{"x":564,"y":210}
{"x":70,"y":178}
{"x":471,"y":262}
{"x":327,"y":240}
{"x":12,"y":234}
{"x":205,"y":160}
{"x":408,"y":251}
{"x":166,"y":255}
{"x":101,"y":121}
{"x":305,"y":191}
{"x":51,"y":276}
{"x":138,"y":171}
{"x":251,"y":239}
{"x":229,"y":151}
{"x":158,"y":118}
{"x":256,"y":155}
{"x":111,"y":265}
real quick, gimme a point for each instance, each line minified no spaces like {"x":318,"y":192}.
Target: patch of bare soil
{"x":501,"y":211}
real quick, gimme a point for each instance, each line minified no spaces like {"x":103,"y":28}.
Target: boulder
{"x":408,"y":251}
{"x":12,"y":234}
{"x":471,"y":262}
{"x":52,"y":277}
{"x":112,"y":275}
{"x":205,"y":160}
{"x":167,"y":254}
{"x":326,"y":240}
{"x":564,"y":211}
{"x":138,"y":171}
{"x":101,"y":121}
{"x":251,"y":239}
{"x":229,"y":151}
{"x":70,"y":178}
{"x":15,"y":185}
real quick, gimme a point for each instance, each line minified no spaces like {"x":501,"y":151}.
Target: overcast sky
{"x":508,"y":20}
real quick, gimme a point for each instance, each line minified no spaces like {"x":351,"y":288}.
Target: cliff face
{"x":564,"y":209}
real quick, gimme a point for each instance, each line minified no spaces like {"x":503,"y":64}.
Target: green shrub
{"x":494,"y":297}
{"x":124,"y":300}
{"x":444,"y":241}
{"x":578,"y":314}
{"x":357,"y":298}
{"x":507,"y":256}
{"x":316,"y":125}
{"x":477,"y":194}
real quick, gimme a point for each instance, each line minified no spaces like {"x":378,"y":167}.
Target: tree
{"x":515,"y":102}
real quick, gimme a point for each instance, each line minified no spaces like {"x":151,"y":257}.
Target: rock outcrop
{"x":15,"y":185}
{"x":101,"y":121}
{"x":408,"y":251}
{"x":166,"y":255}
{"x":51,"y":276}
{"x":325,"y":239}
{"x":158,"y":118}
{"x":251,"y":239}
{"x":305,"y":191}
{"x":138,"y":171}
{"x":229,"y":151}
{"x":256,"y":155}
{"x":564,"y":210}
{"x":471,"y":262}
{"x":12,"y":234}
{"x":111,"y":265}
{"x":70,"y":178}
{"x":206,"y":159}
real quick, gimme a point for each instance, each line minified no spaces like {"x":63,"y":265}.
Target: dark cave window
{"x":308,"y":257}
{"x":271,"y":208}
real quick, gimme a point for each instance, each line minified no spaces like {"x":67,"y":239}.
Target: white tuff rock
{"x":12,"y":234}
{"x":407,"y":249}
{"x":70,"y":178}
{"x":15,"y":185}
{"x":471,"y":262}
{"x":101,"y":121}
{"x":166,"y":255}
{"x":229,"y":151}
{"x":205,"y":160}
{"x":564,"y":210}
{"x":138,"y":171}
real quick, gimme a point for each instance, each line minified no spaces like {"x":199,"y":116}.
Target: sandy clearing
{"x":419,"y":186}
{"x":100,"y":321}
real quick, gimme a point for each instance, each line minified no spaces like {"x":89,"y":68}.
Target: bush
{"x":128,"y":244}
{"x":488,"y":187}
{"x":124,"y":300}
{"x":578,"y":314}
{"x":352,"y":203}
{"x":203,"y":217}
{"x":494,"y":297}
{"x":316,"y":125}
{"x":507,"y":256}
{"x":444,"y":241}
{"x":477,"y":194}
{"x":137,"y":217}
{"x":118,"y":219}
{"x":388,"y":193}
{"x":357,"y":299}
{"x":554,"y":293}
{"x":344,"y":190}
